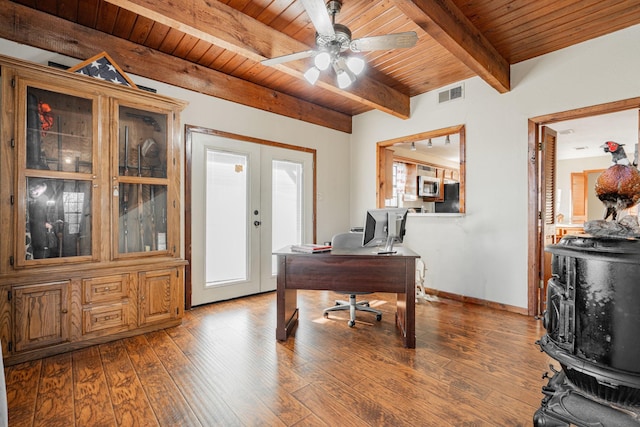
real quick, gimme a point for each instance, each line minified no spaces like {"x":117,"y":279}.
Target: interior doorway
{"x":542,"y":197}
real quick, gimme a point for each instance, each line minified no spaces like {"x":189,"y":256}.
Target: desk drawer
{"x":104,"y":289}
{"x":105,"y":317}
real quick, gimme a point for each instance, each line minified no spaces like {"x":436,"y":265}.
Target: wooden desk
{"x":357,"y":270}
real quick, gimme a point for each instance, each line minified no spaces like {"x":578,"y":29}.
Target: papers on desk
{"x":310,"y":248}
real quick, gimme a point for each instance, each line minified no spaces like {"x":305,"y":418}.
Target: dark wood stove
{"x":593,"y":330}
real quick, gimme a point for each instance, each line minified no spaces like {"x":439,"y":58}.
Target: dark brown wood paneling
{"x":107,"y":15}
{"x":88,"y":12}
{"x":124,"y":24}
{"x":68,"y":9}
{"x":141,"y":30}
{"x":171,"y":41}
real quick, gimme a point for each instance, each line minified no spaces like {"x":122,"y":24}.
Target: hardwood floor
{"x":473,"y":366}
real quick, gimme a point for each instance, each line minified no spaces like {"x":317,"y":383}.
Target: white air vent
{"x":456,"y":92}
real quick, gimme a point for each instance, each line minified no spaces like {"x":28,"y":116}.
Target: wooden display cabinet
{"x":91,"y":171}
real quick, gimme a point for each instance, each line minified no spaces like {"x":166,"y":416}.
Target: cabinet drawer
{"x":105,"y":317}
{"x":104,"y":289}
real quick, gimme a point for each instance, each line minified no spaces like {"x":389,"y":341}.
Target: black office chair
{"x":349,"y":241}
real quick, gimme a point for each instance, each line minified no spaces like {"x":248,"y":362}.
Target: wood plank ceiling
{"x":215,"y":47}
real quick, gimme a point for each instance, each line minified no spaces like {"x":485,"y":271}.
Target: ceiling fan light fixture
{"x":344,"y":80}
{"x":355,"y":64}
{"x":322,"y":60}
{"x":334,"y":39}
{"x":343,"y":74}
{"x":311,"y":75}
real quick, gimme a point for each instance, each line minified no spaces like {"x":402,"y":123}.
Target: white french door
{"x":257,"y":198}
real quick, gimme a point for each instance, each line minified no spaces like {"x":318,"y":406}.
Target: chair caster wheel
{"x":351,"y":323}
{"x":378,"y":317}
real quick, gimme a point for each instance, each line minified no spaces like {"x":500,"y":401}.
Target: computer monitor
{"x":384,"y":227}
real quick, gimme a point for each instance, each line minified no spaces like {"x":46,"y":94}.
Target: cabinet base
{"x":71,"y":346}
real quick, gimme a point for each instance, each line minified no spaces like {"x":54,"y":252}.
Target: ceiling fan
{"x":333,"y":40}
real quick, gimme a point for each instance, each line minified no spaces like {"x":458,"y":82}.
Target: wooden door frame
{"x":533,"y":163}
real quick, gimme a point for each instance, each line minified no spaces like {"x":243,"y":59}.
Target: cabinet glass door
{"x":142,"y":218}
{"x":57,"y":173}
{"x":58,"y":218}
{"x":143,"y":143}
{"x":142,"y":181}
{"x":59,"y":132}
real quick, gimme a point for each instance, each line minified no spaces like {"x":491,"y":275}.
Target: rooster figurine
{"x":618,"y":187}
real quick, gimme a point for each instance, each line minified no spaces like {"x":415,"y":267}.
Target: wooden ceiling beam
{"x":31,"y":27}
{"x":224,"y":26}
{"x":443,"y":21}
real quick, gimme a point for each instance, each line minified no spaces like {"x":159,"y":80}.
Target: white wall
{"x":333,"y":154}
{"x":483,"y":254}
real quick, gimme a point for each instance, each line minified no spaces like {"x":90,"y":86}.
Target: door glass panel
{"x":226,"y":222}
{"x":287,"y":206}
{"x":58,"y":218}
{"x":59,"y":131}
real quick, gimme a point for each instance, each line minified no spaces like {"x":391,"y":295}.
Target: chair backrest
{"x":347,"y":240}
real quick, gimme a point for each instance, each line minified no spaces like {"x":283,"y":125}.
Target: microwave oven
{"x":428,"y":186}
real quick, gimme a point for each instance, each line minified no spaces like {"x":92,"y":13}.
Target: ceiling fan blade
{"x":317,"y":11}
{"x":386,"y":42}
{"x":286,"y":58}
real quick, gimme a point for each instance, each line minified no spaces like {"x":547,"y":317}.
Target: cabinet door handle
{"x":63,"y":311}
